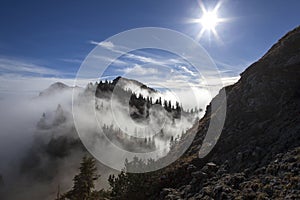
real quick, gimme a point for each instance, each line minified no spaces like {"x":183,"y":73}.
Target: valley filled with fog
{"x":40,"y":141}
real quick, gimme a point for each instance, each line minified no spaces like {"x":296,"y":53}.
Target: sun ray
{"x":216,"y":8}
{"x":200,"y":34}
{"x":216,"y":35}
{"x":202,"y":7}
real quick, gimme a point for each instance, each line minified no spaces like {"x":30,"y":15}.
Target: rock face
{"x":1,"y":181}
{"x":263,"y":108}
{"x":261,"y":133}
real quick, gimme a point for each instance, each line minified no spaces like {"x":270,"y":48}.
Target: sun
{"x":209,"y":20}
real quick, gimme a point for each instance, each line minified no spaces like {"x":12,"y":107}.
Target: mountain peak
{"x":58,"y":85}
{"x":55,"y":87}
{"x":132,"y":84}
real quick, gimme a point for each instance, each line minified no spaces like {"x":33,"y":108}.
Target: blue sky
{"x":51,"y":38}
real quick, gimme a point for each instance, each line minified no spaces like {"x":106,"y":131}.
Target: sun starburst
{"x":208,"y":21}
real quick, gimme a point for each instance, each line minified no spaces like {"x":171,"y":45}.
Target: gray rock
{"x":199,"y":175}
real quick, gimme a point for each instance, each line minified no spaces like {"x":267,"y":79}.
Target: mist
{"x":40,"y":143}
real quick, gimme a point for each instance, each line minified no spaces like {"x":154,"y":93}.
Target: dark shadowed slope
{"x":261,"y":132}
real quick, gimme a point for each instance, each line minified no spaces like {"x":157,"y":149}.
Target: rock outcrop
{"x":279,"y":179}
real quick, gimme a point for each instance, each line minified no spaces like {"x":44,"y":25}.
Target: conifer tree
{"x":83,"y":188}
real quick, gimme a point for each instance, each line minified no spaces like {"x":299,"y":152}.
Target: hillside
{"x":261,"y":132}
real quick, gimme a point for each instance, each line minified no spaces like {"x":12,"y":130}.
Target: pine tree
{"x":83,"y":188}
{"x":133,"y":186}
{"x":166,"y":105}
{"x":169,"y":105}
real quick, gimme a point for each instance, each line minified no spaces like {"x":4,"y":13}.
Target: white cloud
{"x":107,"y":44}
{"x":229,"y":80}
{"x":139,"y":70}
{"x":189,"y":97}
{"x":220,"y":81}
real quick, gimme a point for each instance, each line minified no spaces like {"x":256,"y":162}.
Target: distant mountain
{"x":256,"y":154}
{"x":139,"y":97}
{"x":55,"y":88}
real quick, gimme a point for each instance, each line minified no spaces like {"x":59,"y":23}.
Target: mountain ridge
{"x":262,"y":121}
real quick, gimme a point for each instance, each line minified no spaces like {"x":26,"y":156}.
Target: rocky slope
{"x":256,"y":156}
{"x":279,"y":179}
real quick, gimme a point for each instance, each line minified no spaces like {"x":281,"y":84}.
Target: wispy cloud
{"x":22,"y":77}
{"x":13,"y":65}
{"x":180,"y":74}
{"x":105,"y":44}
{"x":233,"y":69}
{"x":116,"y":62}
{"x":93,"y":42}
{"x":15,"y":84}
{"x":146,"y":58}
{"x":68,"y":60}
{"x":187,"y":70}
